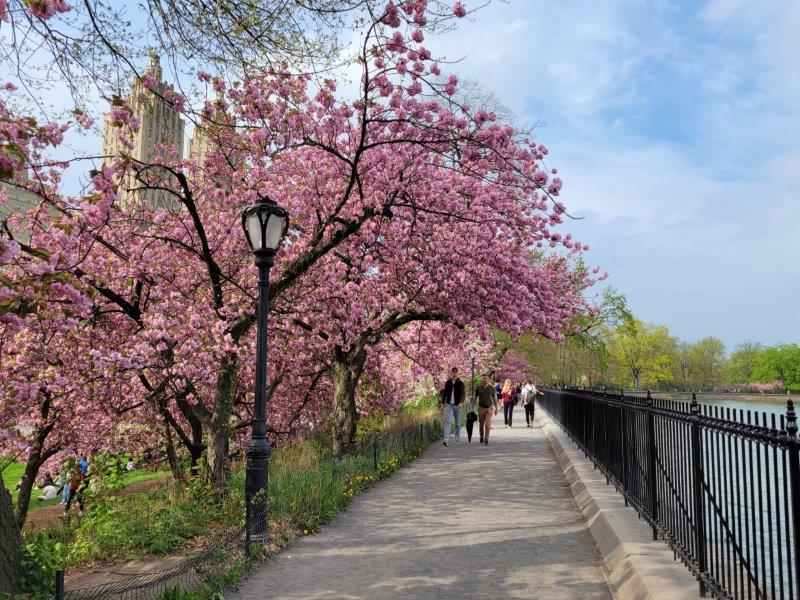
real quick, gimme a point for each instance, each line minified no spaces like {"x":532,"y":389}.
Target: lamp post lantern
{"x":264,"y":225}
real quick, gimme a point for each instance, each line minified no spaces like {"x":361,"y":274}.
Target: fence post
{"x":247,"y":525}
{"x":697,"y":487}
{"x":60,"y":584}
{"x":794,"y":482}
{"x":593,"y":429}
{"x":375,"y":454}
{"x":651,"y":462}
{"x":624,"y":453}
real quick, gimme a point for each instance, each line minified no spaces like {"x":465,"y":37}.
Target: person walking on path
{"x":508,"y":407}
{"x":452,"y":397}
{"x":487,"y":408}
{"x":529,"y":393}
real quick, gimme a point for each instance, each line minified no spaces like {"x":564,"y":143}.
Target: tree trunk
{"x":11,"y":544}
{"x":196,"y":445}
{"x":26,"y":487}
{"x":218,"y":426}
{"x":172,"y":457}
{"x":217,"y":458}
{"x":345,"y":375}
{"x":36,"y":458}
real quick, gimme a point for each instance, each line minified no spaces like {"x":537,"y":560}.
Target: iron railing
{"x":721,"y":486}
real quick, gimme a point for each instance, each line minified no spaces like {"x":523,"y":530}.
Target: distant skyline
{"x":676,"y":129}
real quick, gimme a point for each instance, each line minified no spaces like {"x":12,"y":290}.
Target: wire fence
{"x":210,"y":564}
{"x":209,"y":568}
{"x":720,"y":486}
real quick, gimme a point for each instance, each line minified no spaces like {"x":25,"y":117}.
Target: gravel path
{"x":465,"y":521}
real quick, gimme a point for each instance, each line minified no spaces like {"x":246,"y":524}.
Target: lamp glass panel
{"x":274,"y":234}
{"x":254,"y":230}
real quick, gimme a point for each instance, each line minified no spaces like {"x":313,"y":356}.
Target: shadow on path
{"x":464,"y":521}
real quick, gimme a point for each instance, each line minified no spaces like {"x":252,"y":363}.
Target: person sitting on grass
{"x":49,"y":492}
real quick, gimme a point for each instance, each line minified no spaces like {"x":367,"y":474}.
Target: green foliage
{"x":42,"y":556}
{"x":308,"y":487}
{"x":421,"y":405}
{"x":741,"y":365}
{"x":644,"y":354}
{"x":368,"y":428}
{"x":707,"y":359}
{"x":583,"y":358}
{"x":611,"y":347}
{"x":157,"y":522}
{"x":779,"y":363}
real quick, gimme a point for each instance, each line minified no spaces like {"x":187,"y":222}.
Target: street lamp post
{"x":264,"y":225}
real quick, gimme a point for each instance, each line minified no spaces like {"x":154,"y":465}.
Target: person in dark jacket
{"x":452,"y":397}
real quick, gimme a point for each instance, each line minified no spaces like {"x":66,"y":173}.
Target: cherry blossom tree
{"x":413,"y":220}
{"x":406,"y":207}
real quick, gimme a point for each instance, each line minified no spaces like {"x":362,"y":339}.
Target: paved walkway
{"x":465,"y":521}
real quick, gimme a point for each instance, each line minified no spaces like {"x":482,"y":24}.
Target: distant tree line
{"x":615,"y":349}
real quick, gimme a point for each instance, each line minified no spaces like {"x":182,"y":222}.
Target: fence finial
{"x":791,"y":419}
{"x":695,"y":406}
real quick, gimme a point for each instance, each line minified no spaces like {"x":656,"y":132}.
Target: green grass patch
{"x":11,"y":475}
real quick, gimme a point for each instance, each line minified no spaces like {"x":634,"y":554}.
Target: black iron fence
{"x":720,"y":486}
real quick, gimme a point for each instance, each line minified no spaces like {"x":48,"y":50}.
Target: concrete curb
{"x":637,"y":568}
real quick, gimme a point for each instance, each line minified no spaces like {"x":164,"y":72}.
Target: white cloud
{"x":695,"y":227}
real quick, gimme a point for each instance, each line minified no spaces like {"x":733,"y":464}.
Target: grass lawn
{"x":14,"y":471}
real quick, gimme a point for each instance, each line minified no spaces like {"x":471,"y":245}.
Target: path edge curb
{"x":636,"y":567}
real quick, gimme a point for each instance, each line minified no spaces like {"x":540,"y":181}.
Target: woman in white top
{"x":48,"y":493}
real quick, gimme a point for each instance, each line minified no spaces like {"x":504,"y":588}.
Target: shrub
{"x":42,"y":556}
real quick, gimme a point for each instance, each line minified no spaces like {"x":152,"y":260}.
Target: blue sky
{"x":676,"y":129}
